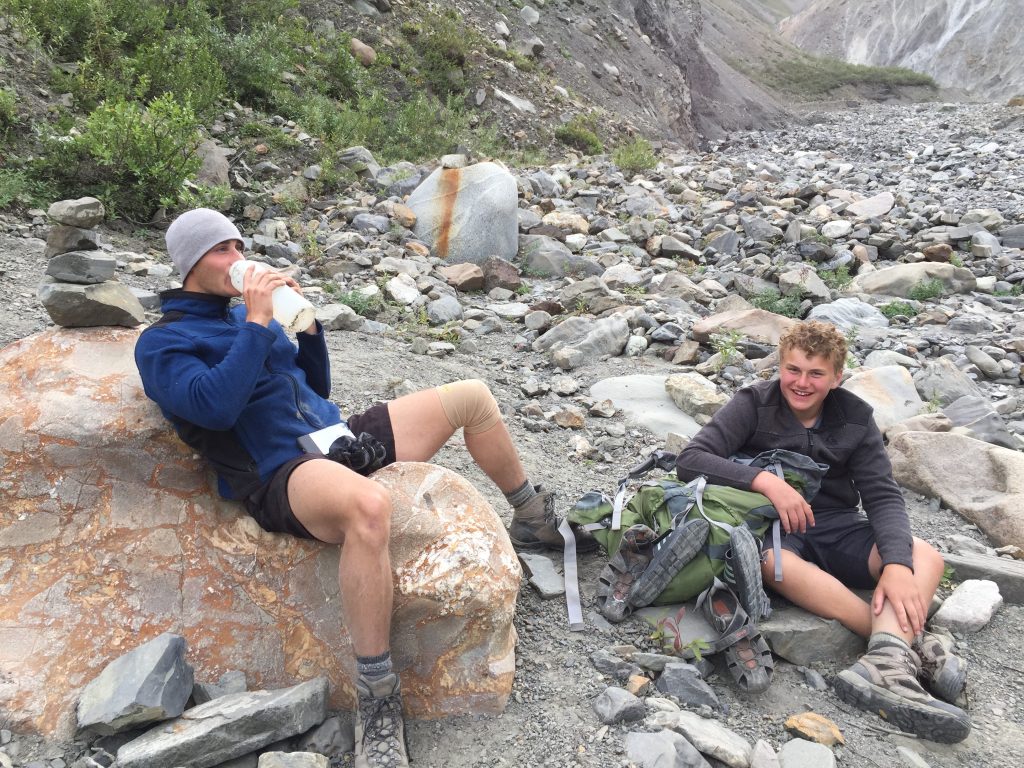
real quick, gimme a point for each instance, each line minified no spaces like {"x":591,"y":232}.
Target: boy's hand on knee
{"x":795,"y":513}
{"x":896,"y":584}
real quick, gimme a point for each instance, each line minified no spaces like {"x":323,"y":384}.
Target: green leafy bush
{"x":635,"y":157}
{"x":442,"y":45}
{"x":8,"y":109}
{"x":894,"y":308}
{"x":18,"y":188}
{"x":770,"y":301}
{"x":133,"y":157}
{"x":926,"y":289}
{"x":838,"y":278}
{"x":580,"y":133}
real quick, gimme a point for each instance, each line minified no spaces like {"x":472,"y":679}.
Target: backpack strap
{"x":661,"y":459}
{"x":572,"y":582}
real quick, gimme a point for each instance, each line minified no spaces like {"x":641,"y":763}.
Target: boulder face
{"x":111,"y":534}
{"x":982,"y":482}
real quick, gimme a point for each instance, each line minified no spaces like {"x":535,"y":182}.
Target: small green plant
{"x":289,"y":203}
{"x":524,"y":289}
{"x":836,"y":279}
{"x":216,"y":196}
{"x":668,"y":635}
{"x":580,"y":133}
{"x":727,"y":346}
{"x":362,"y":304}
{"x":635,"y":290}
{"x":894,"y":308}
{"x":926,"y":289}
{"x":946,"y":582}
{"x":770,"y":301}
{"x":8,"y":110}
{"x":635,"y":157}
{"x":581,"y":306}
{"x":955,"y":260}
{"x":933,"y":404}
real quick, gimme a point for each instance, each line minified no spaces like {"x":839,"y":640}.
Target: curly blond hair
{"x":814,"y":337}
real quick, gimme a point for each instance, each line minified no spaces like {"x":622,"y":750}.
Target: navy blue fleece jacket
{"x":239,"y":393}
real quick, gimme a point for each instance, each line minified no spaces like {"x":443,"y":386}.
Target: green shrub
{"x":837,"y":278}
{"x":812,"y":76}
{"x":770,"y":301}
{"x":894,"y":308}
{"x":18,"y":188}
{"x":634,"y":157}
{"x":361,"y":304}
{"x":8,"y":109}
{"x":926,"y":289}
{"x":579,"y":133}
{"x":442,"y":45}
{"x":135,"y":158}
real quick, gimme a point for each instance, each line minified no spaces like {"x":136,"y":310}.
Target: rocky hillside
{"x":974,"y":45}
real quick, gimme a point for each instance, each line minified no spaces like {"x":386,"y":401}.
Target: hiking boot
{"x":884,"y":680}
{"x":942,"y":671}
{"x":380,"y":730}
{"x":668,"y":557}
{"x":743,"y":573}
{"x":535,"y":526}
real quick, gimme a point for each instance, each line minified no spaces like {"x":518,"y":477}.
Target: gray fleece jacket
{"x":846,"y":438}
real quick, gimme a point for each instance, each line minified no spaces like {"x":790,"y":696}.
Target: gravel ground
{"x":549,"y":720}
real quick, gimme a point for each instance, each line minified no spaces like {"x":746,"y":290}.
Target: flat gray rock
{"x":802,"y":638}
{"x":617,"y":705}
{"x":800,"y":753}
{"x":228,"y":727}
{"x":663,"y":749}
{"x":971,"y":606}
{"x":544,"y":577}
{"x":644,"y":402}
{"x":146,"y":685}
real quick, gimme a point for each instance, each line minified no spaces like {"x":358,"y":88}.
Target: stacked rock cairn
{"x":80,"y":288}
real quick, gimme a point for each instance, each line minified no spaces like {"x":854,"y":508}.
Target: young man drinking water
{"x":830,"y":546}
{"x":241,"y":393}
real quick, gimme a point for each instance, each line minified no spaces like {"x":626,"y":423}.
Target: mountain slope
{"x":975,"y":45}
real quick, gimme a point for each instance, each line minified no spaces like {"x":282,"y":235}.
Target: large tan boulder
{"x":981,"y":481}
{"x":110,"y":534}
{"x":753,"y":324}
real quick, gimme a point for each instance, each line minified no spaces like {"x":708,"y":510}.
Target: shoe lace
{"x":380,"y":716}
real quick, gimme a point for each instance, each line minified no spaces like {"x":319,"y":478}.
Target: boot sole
{"x":745,"y":567}
{"x":681,"y":546}
{"x":938,"y":721}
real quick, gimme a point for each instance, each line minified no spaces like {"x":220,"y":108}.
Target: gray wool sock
{"x":374,"y":667}
{"x":521,"y":495}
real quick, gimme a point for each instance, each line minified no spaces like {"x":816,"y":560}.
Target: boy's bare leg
{"x":338,"y":506}
{"x":820,"y":593}
{"x":927,"y":573}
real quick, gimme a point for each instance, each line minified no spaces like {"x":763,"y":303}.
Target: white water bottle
{"x":291,"y":309}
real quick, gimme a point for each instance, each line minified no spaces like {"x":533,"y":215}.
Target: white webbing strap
{"x":572,"y":582}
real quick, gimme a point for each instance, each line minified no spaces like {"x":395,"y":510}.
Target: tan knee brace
{"x":470,"y":405}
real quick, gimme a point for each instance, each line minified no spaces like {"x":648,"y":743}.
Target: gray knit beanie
{"x":193,"y":233}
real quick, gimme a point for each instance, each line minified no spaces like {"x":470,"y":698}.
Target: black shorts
{"x":269,"y":505}
{"x":839,"y":543}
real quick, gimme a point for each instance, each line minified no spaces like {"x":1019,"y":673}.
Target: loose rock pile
{"x":80,"y":289}
{"x":903,"y":225}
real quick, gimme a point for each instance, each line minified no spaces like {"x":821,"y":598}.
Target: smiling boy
{"x":830,"y":547}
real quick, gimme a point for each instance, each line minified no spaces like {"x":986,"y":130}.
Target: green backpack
{"x":665,"y":504}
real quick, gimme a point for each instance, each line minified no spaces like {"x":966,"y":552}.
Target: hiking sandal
{"x":747,"y":656}
{"x":623,"y":569}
